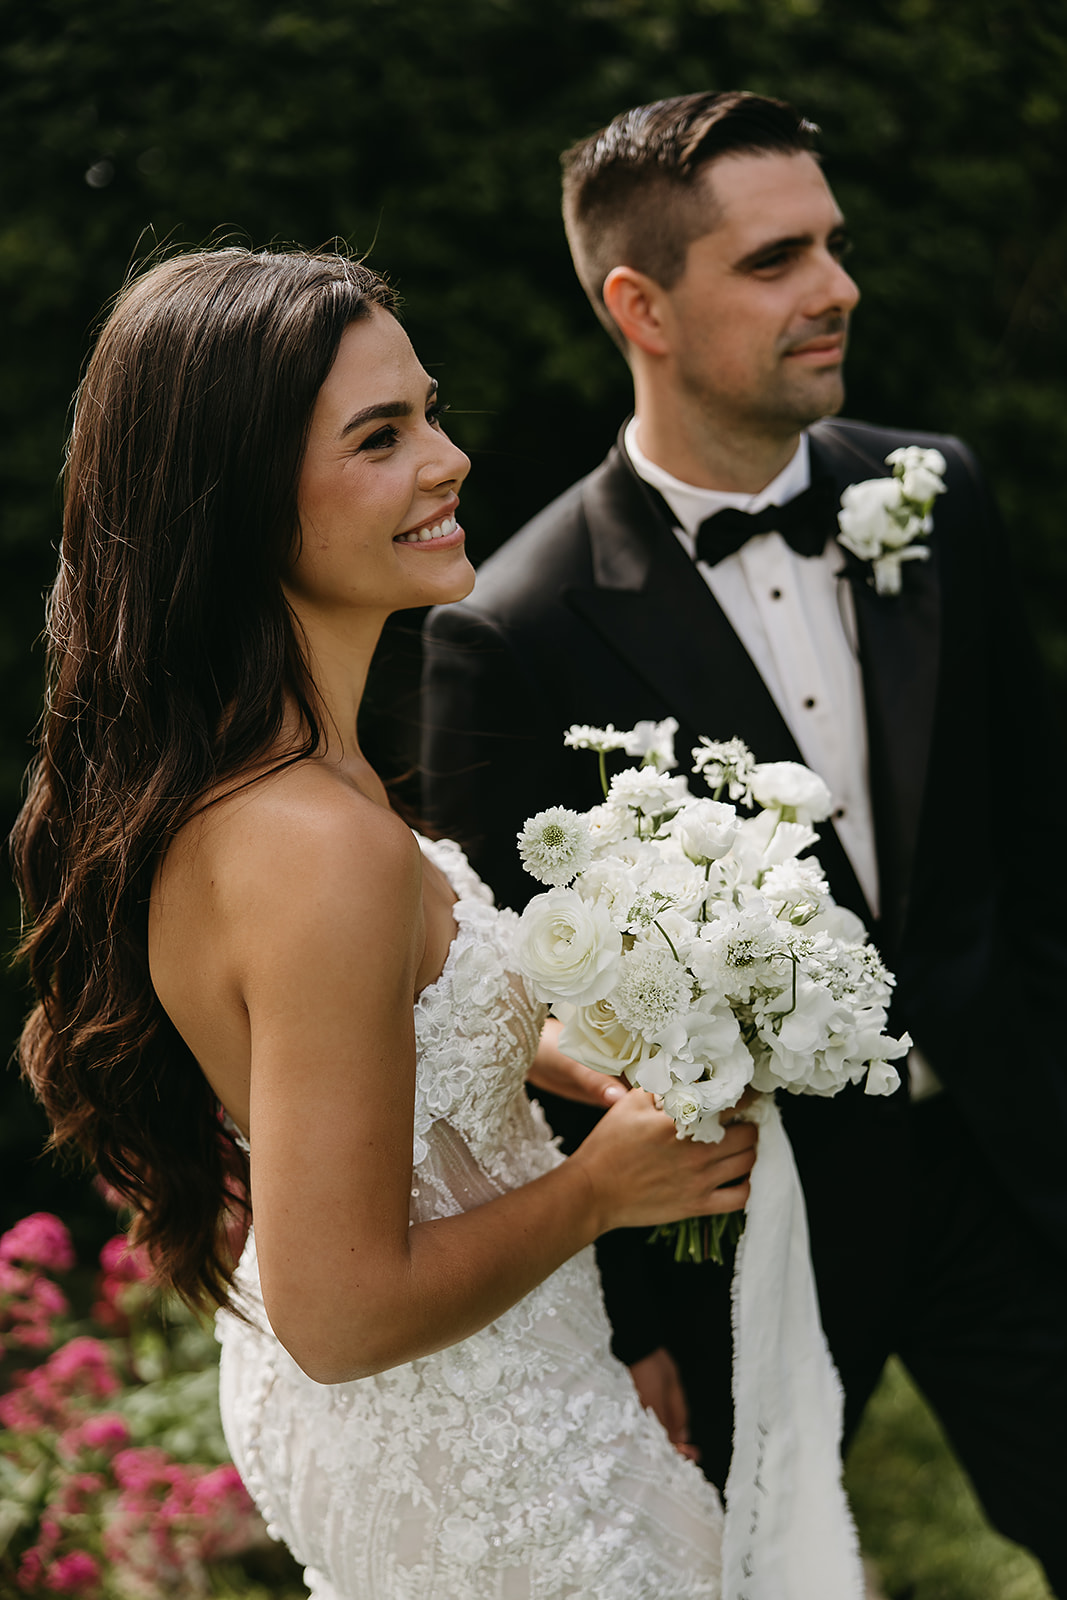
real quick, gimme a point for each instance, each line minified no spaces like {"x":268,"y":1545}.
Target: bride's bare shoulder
{"x":302,"y":834}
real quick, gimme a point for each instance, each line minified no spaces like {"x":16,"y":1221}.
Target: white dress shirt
{"x":795,"y":617}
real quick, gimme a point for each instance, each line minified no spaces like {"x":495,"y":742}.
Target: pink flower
{"x":84,"y":1366}
{"x":39,"y":1240}
{"x":76,"y":1573}
{"x":141,"y":1470}
{"x":127,"y":1262}
{"x":31,"y":1569}
{"x":106,"y":1431}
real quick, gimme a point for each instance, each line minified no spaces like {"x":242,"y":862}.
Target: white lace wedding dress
{"x":518,"y":1464}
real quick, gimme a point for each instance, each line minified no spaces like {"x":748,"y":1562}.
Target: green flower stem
{"x":657,"y":924}
{"x":700,"y":1239}
{"x":602,"y":762}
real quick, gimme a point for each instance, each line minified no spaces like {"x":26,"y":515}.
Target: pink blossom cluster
{"x":148,"y":1517}
{"x":30,"y":1303}
{"x":53,"y":1396}
{"x":116,"y":1518}
{"x":169,"y":1520}
{"x":123,"y":1286}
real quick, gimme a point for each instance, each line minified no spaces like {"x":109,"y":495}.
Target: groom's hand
{"x":559,"y":1074}
{"x":659,"y":1389}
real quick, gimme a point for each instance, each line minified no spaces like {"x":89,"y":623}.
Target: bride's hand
{"x":641,"y":1174}
{"x":562,"y":1075}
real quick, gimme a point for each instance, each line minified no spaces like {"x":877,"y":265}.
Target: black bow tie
{"x":805,"y":523}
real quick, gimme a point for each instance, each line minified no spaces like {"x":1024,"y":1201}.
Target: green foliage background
{"x":429,"y":135}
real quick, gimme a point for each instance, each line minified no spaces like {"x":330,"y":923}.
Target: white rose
{"x":706,"y":830}
{"x":785,"y":786}
{"x":568,"y":947}
{"x":593,"y":1035}
{"x":864,"y":517}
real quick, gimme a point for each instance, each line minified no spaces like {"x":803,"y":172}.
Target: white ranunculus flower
{"x":706,"y":830}
{"x":569,"y":947}
{"x":864,"y":518}
{"x":593,"y":1035}
{"x":786,"y":786}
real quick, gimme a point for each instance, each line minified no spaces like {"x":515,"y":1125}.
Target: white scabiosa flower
{"x":651,"y":990}
{"x":555,"y":845}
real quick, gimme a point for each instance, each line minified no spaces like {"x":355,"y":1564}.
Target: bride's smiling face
{"x":378,"y":491}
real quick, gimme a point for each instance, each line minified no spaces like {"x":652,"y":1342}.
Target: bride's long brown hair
{"x":171,"y":654}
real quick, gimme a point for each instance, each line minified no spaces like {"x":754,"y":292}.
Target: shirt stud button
{"x":809,"y":703}
{"x":838,"y":813}
{"x":776,"y":594}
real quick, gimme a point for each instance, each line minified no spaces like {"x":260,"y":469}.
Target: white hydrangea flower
{"x":651,"y":990}
{"x":555,"y":845}
{"x":725,"y":763}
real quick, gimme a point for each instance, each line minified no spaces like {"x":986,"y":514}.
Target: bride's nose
{"x":445,"y":466}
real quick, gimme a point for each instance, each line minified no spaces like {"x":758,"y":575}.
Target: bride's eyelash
{"x":383,"y":439}
{"x":435,"y":412}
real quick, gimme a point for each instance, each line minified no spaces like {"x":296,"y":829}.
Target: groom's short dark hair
{"x":630,"y":192}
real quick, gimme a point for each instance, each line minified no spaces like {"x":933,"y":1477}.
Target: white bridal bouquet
{"x":688,"y":948}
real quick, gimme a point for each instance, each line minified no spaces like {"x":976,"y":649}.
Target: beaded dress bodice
{"x":517,"y":1464}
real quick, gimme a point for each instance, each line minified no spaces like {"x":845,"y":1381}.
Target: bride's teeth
{"x":439,"y":530}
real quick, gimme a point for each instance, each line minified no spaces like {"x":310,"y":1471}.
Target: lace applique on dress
{"x":517,"y":1464}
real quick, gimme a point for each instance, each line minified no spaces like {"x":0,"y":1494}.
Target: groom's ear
{"x":637,"y":304}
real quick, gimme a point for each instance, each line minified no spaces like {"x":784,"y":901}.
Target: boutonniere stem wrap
{"x":882,"y":520}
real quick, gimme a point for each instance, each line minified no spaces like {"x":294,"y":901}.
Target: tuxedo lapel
{"x":899,"y":646}
{"x":652,"y":608}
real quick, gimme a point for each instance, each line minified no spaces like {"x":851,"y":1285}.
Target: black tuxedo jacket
{"x":593,"y":613}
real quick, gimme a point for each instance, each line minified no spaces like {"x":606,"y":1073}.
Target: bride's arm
{"x":325,"y":947}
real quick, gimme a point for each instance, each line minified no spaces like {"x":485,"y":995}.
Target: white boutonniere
{"x":882,"y":519}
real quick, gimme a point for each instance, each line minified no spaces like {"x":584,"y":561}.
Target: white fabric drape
{"x":789,"y":1532}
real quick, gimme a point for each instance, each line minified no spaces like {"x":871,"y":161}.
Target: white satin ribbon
{"x":789,"y":1532}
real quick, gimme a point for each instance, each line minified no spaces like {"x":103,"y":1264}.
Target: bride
{"x":226,"y":913}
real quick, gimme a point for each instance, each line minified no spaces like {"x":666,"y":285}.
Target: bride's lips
{"x":439,"y":532}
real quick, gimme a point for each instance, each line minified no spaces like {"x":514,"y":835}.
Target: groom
{"x":711,"y":248}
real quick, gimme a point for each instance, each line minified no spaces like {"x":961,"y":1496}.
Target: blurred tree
{"x":429,"y":135}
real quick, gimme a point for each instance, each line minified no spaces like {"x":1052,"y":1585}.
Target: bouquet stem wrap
{"x":789,"y":1532}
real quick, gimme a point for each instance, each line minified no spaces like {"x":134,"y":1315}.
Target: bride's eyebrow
{"x":385,"y":410}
